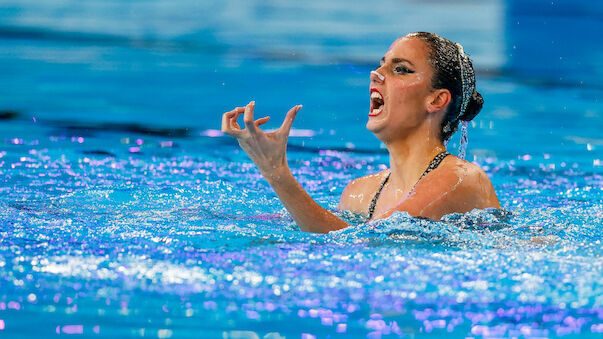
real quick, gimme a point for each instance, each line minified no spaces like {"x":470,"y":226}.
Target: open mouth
{"x":377,"y":103}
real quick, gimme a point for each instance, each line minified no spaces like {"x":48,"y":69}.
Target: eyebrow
{"x":398,"y":60}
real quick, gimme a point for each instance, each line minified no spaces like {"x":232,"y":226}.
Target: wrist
{"x":277,"y":174}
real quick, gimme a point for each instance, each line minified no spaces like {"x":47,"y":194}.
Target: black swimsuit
{"x":432,"y":165}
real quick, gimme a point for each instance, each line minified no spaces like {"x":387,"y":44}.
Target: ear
{"x":438,"y":100}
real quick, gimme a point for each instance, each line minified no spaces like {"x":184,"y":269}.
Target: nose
{"x":377,"y":77}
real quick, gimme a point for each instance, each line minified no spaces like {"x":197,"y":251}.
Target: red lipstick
{"x":377,"y":103}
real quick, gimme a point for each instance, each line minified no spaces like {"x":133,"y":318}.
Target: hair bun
{"x":473,"y":107}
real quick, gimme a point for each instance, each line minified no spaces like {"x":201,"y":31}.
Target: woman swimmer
{"x":424,"y":87}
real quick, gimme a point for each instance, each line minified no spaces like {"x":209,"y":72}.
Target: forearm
{"x":268,"y":152}
{"x":309,"y":216}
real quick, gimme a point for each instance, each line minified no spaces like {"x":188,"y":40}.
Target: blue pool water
{"x":124,"y":212}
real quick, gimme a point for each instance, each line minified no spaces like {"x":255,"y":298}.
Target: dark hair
{"x":445,"y":58}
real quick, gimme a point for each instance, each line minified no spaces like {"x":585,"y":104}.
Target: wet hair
{"x":450,"y":64}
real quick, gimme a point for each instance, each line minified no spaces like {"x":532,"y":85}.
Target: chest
{"x":388,"y":199}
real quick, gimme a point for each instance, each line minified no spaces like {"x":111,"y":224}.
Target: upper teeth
{"x":377,"y":103}
{"x":376,"y":95}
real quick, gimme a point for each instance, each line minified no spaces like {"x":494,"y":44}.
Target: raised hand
{"x":267,"y":150}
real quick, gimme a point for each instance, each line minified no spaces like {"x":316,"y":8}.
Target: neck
{"x":409,"y":157}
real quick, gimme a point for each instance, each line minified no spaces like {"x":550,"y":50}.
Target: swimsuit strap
{"x":374,"y":202}
{"x":432,"y":165}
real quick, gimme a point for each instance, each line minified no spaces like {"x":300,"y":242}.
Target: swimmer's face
{"x":399,"y":96}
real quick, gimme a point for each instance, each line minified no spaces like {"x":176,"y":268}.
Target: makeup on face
{"x":378,"y":75}
{"x":377,"y":102}
{"x":398,"y":66}
{"x":377,"y":99}
{"x":398,"y":73}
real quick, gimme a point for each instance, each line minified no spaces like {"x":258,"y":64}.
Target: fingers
{"x":229,"y":124}
{"x":248,"y":117}
{"x":261,"y":121}
{"x":288,"y":122}
{"x":227,"y":127}
{"x":235,"y":117}
{"x":232,"y":128}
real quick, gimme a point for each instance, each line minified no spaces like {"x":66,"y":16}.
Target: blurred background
{"x":172,"y":67}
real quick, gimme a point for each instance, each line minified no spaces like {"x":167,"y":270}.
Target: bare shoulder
{"x":473,"y":183}
{"x":474,"y":178}
{"x":360,"y":191}
{"x":455,"y":186}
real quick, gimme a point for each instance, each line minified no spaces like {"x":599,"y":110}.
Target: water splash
{"x":196,"y":237}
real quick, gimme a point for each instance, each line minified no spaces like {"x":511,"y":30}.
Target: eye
{"x":402,"y":70}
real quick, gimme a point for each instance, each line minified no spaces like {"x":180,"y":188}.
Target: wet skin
{"x":408,"y":125}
